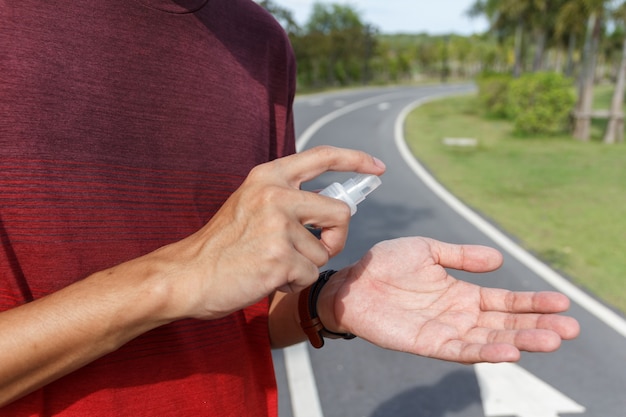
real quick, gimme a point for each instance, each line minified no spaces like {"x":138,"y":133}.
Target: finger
{"x":531,"y":340}
{"x":301,"y":274}
{"x":566,"y":327}
{"x":332,"y":217}
{"x":469,"y":353}
{"x":309,"y":164}
{"x":472,"y":258}
{"x":495,"y":299}
{"x":308,"y":245}
{"x":289,"y":235}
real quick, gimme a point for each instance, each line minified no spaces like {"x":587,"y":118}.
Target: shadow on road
{"x":454,"y":392}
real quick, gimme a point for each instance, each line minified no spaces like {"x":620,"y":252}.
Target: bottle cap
{"x":360,"y":186}
{"x":354,"y":190}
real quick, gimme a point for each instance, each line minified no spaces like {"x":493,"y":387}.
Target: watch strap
{"x":309,"y":319}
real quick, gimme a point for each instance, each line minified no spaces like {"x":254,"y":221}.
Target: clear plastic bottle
{"x":352,"y":191}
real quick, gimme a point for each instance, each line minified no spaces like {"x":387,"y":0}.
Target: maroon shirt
{"x":124,"y":125}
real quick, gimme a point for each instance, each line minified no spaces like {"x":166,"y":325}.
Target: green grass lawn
{"x":564,"y":200}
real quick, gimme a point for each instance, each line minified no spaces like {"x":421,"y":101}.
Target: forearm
{"x":46,"y":339}
{"x":284,"y":322}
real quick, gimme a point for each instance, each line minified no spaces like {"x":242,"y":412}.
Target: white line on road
{"x":306,"y":136}
{"x":507,"y":389}
{"x":305,"y":401}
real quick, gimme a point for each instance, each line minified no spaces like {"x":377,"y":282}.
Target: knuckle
{"x":343,"y":213}
{"x":271,"y":196}
{"x":326,"y":150}
{"x":276,"y":252}
{"x":257,"y":171}
{"x":323,"y":260}
{"x":327,"y":153}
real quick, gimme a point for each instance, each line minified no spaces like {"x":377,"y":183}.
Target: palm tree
{"x":518,"y":18}
{"x":543,"y":16}
{"x":570,"y":26}
{"x":505,"y":18}
{"x":595,"y":11}
{"x":615,"y":128}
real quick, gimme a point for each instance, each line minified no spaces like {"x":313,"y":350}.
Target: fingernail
{"x":379,"y":163}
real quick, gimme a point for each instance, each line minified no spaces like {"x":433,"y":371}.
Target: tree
{"x":283,"y":15}
{"x":520,"y":20}
{"x":344,"y":42}
{"x":595,"y":28}
{"x":506,"y":18}
{"x":570,"y":26}
{"x":615,"y":128}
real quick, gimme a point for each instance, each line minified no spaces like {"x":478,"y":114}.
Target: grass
{"x":563,"y":199}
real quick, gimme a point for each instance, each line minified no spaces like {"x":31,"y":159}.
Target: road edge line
{"x":305,"y":400}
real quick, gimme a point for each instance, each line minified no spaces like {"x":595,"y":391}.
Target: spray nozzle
{"x":352,"y":191}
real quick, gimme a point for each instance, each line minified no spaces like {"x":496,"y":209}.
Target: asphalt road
{"x":586,"y":377}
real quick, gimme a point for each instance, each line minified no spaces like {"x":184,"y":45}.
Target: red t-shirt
{"x":124,"y":125}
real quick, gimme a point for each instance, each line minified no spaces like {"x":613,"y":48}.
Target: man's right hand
{"x":256,"y":243}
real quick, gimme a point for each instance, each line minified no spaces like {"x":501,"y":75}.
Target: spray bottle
{"x":351,"y":192}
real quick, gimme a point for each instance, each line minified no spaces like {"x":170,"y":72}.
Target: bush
{"x":540,"y":103}
{"x":492,"y":93}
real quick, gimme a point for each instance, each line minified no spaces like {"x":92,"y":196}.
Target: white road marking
{"x":305,"y":401}
{"x":509,"y":390}
{"x":304,"y":138}
{"x":315,"y":101}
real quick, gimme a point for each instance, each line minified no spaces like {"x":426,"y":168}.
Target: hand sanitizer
{"x":353,"y":191}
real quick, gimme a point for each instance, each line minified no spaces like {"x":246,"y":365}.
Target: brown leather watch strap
{"x":309,"y":320}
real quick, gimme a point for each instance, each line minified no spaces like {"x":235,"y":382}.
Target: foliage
{"x":540,"y":103}
{"x":283,"y":15}
{"x":493,"y":89}
{"x":333,"y":18}
{"x":335,"y":48}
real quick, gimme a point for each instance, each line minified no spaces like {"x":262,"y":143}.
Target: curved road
{"x":586,"y":377}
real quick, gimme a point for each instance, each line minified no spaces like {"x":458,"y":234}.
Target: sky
{"x":435,"y":17}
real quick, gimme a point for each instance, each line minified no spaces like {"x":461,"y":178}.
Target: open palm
{"x":400,"y":296}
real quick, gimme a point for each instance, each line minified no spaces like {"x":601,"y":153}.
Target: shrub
{"x":492,"y":93}
{"x":540,"y":103}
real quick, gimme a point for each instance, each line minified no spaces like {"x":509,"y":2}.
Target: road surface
{"x":586,"y":377}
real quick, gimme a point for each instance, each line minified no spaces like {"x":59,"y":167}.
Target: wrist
{"x":326,"y":303}
{"x":310,"y":321}
{"x":147,"y":292}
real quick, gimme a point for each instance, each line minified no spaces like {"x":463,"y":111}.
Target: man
{"x":153,"y":248}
